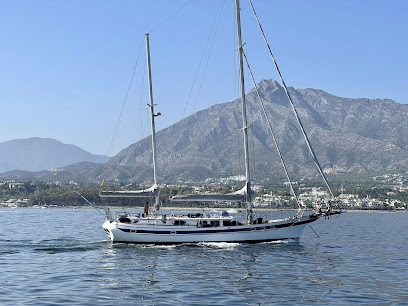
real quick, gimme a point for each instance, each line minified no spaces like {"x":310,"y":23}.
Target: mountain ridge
{"x":348,"y":135}
{"x":360,"y":134}
{"x":37,"y":154}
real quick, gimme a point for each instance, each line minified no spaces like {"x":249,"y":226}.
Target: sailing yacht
{"x":154,"y":227}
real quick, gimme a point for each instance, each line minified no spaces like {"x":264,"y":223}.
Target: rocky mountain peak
{"x":348,"y":135}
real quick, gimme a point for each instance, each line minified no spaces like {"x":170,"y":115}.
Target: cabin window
{"x":215,"y":223}
{"x":179,"y":222}
{"x":229,"y":223}
{"x":202,"y":223}
{"x":196,"y":215}
{"x":124,"y":220}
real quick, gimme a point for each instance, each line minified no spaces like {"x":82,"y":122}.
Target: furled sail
{"x":150,"y":192}
{"x":240,"y":195}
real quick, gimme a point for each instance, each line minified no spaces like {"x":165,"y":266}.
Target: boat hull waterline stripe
{"x":215,"y":231}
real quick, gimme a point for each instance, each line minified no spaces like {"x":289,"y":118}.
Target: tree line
{"x":41,"y":193}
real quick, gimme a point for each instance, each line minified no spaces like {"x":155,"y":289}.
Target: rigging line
{"x":144,"y":129}
{"x":314,"y":231}
{"x":125,"y":99}
{"x":271,"y":130}
{"x":240,"y":159}
{"x":323,"y":231}
{"x":90,"y":203}
{"x":141,"y":102}
{"x":209,"y":54}
{"x":202,"y":57}
{"x":147,"y":128}
{"x":170,"y":16}
{"x":293,"y":107}
{"x":169,"y":161}
{"x":253,"y":154}
{"x":218,"y":15}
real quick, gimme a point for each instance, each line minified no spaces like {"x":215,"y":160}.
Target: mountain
{"x":36,"y":154}
{"x":348,"y":135}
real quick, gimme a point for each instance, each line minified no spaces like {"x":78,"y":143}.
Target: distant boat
{"x":154,"y":227}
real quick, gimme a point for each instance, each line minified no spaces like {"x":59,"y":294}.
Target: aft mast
{"x":244,"y":119}
{"x":152,"y":115}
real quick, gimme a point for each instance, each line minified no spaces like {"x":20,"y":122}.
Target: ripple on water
{"x":355,"y":261}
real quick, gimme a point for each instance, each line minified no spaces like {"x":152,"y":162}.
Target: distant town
{"x":382,"y":192}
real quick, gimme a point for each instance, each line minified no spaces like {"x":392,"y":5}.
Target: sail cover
{"x":150,"y":192}
{"x":240,"y":195}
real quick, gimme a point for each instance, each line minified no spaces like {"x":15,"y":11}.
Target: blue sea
{"x":63,"y":257}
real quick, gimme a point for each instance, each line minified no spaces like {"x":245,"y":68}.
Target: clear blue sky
{"x":65,"y":65}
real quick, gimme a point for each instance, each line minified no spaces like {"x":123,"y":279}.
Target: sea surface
{"x":63,"y":257}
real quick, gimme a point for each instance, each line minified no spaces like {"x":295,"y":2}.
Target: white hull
{"x":173,"y":234}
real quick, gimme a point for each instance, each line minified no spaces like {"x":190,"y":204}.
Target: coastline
{"x":198,"y":208}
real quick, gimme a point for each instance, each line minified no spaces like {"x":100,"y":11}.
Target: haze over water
{"x":62,"y":256}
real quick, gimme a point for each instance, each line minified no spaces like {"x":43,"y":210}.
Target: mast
{"x":244,"y":119}
{"x":152,"y":115}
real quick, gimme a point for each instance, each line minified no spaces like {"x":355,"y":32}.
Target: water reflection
{"x":360,"y":258}
{"x":189,"y":272}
